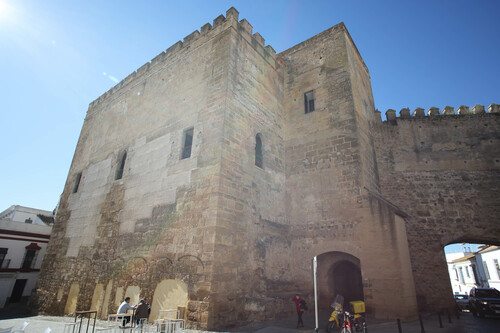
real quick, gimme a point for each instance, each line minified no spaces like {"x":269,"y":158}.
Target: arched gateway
{"x":339,"y":273}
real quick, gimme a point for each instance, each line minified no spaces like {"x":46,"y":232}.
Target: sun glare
{"x":5,"y":11}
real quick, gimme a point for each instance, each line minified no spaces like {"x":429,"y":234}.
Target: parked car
{"x":484,"y":301}
{"x":462,"y":302}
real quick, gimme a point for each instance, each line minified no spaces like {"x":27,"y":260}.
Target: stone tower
{"x":208,"y":179}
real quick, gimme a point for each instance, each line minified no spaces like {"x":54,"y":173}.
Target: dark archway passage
{"x":345,"y":279}
{"x":339,"y":273}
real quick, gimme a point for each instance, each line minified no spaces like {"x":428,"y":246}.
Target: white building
{"x":479,"y":269}
{"x":489,"y":256}
{"x":24,"y":234}
{"x":462,"y":269}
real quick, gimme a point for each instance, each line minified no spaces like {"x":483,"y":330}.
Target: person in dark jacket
{"x":300,"y":305}
{"x":142,"y":312}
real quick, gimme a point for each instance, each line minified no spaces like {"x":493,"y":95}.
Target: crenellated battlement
{"x":198,"y":37}
{"x":434,"y":112}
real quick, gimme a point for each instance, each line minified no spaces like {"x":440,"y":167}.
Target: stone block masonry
{"x":209,"y":178}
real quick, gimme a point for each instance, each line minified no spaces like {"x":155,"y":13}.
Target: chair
{"x":142,"y":326}
{"x":22,"y":329}
{"x":170,"y":325}
{"x":6,"y":330}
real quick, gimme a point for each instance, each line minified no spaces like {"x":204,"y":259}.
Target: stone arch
{"x":169,"y":295}
{"x":138,"y":268}
{"x":187,"y":256}
{"x":339,"y":273}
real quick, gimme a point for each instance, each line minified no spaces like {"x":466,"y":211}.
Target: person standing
{"x":124,"y":307}
{"x":300,"y":305}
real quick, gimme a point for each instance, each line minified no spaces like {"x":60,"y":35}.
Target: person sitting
{"x":124,"y":307}
{"x":142,"y":312}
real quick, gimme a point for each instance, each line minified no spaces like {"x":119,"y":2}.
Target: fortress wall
{"x":387,"y":276}
{"x":444,"y":172}
{"x":158,"y":221}
{"x":321,"y":147}
{"x":329,"y":159}
{"x":364,"y":112}
{"x":251,"y":206}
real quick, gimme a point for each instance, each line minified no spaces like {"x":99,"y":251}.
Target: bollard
{"x":440,"y":321}
{"x":449,"y":316}
{"x":399,"y":326}
{"x":421,"y":323}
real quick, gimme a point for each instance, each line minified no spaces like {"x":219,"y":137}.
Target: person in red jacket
{"x":299,"y":304}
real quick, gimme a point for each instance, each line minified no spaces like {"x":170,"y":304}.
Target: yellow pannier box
{"x":358,"y":306}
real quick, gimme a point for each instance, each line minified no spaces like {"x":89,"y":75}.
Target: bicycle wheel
{"x":361,"y":324}
{"x":345,"y":330}
{"x":331,"y":327}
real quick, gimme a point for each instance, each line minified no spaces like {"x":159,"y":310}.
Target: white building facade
{"x":489,"y":256}
{"x":461,"y":267}
{"x":479,"y":269}
{"x":23,"y":240}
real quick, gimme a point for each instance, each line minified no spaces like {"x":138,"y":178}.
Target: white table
{"x":115,"y":322}
{"x":170,"y":325}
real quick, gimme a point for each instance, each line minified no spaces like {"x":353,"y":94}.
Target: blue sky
{"x":58,"y":56}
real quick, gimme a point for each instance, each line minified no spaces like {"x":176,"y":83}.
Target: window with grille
{"x":309,"y":101}
{"x":188,"y":143}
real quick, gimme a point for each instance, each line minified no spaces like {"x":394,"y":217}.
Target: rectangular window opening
{"x":121,"y":167}
{"x":3,"y":253}
{"x":486,"y":271}
{"x":29,"y":259}
{"x":188,"y":143}
{"x":77,"y":182}
{"x":309,"y":101}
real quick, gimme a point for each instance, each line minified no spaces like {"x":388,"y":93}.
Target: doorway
{"x":345,"y":279}
{"x":339,"y":273}
{"x":17,"y":291}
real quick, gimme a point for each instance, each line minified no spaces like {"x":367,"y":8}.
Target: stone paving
{"x":466,"y":324}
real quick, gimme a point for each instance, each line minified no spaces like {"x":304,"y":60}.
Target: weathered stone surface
{"x":419,"y":113}
{"x":448,"y":110}
{"x":435,"y":172}
{"x":405,"y":113}
{"x":390,"y":114}
{"x":227,"y":241}
{"x":494,"y":108}
{"x":433,"y":112}
{"x":463,"y":110}
{"x":478,"y":109}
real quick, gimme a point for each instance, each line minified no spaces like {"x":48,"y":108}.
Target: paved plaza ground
{"x":466,"y":324}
